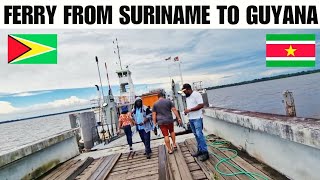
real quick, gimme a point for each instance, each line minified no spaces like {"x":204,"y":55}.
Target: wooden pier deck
{"x":177,"y":166}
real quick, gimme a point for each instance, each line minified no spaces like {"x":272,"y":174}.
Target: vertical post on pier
{"x":73,"y":121}
{"x":289,"y":103}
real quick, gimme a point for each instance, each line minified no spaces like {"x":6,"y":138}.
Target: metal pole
{"x":180,"y":71}
{"x":100,"y":77}
{"x":118,"y":53}
{"x":100,"y":115}
{"x":110,"y":91}
{"x":169,"y":73}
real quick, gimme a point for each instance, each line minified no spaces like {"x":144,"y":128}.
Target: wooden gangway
{"x":177,"y":166}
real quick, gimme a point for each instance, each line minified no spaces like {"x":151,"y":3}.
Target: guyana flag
{"x":290,"y":50}
{"x":32,"y":49}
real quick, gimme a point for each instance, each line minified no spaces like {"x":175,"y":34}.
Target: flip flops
{"x":175,"y":148}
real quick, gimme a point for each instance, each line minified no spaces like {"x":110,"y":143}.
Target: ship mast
{"x":118,"y":52}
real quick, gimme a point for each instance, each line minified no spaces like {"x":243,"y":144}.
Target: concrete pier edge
{"x":29,"y":149}
{"x":291,"y":145}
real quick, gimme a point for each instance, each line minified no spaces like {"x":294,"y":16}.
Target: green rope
{"x":217,"y":145}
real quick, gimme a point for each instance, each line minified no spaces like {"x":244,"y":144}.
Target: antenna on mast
{"x":97,"y":61}
{"x":118,"y":49}
{"x":110,"y":91}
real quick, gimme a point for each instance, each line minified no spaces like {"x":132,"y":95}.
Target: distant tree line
{"x":266,"y":79}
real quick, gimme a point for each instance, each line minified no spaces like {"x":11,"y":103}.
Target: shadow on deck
{"x":178,"y":166}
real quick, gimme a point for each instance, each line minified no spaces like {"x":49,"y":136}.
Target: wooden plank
{"x":134,"y":165}
{"x":135,"y":175}
{"x":150,"y":177}
{"x":76,"y":170}
{"x":133,"y":169}
{"x":197,"y":175}
{"x":208,"y":166}
{"x":189,"y":159}
{"x":104,"y":174}
{"x":228,"y":169}
{"x":58,"y":169}
{"x":244,"y":164}
{"x":141,"y":157}
{"x":142,"y":174}
{"x":263,"y":167}
{"x":193,"y":166}
{"x":117,"y":177}
{"x":154,"y":150}
{"x":224,"y":167}
{"x":137,"y":159}
{"x":174,"y":168}
{"x":183,"y":167}
{"x":101,"y":167}
{"x":136,"y":154}
{"x":163,"y":163}
{"x":184,"y":149}
{"x":88,"y":172}
{"x":234,"y":170}
{"x":69,"y":170}
{"x":61,"y":169}
{"x":187,"y":155}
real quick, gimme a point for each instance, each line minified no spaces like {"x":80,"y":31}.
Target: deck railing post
{"x":290,"y":107}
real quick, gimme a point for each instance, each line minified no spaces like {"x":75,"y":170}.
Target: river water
{"x":267,"y":96}
{"x":262,"y":97}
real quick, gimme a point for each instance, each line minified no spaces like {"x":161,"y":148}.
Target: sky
{"x":215,"y":57}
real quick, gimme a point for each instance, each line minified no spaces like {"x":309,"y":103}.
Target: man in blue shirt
{"x":144,"y":124}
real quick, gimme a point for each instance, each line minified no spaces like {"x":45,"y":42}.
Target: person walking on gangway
{"x":162,"y":116}
{"x":142,"y":117}
{"x":125,"y":123}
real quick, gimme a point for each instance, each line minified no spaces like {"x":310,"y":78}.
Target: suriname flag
{"x":290,"y":50}
{"x":32,"y":49}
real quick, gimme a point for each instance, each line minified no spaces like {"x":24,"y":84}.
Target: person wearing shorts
{"x":162,"y":116}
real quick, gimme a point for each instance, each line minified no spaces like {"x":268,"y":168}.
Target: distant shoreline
{"x":265,"y":79}
{"x":28,"y":118}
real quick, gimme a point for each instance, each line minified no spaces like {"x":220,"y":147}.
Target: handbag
{"x":155,"y":130}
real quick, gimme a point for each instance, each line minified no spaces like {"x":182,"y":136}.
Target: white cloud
{"x":6,"y":107}
{"x":70,"y":103}
{"x":23,"y":94}
{"x":60,"y":105}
